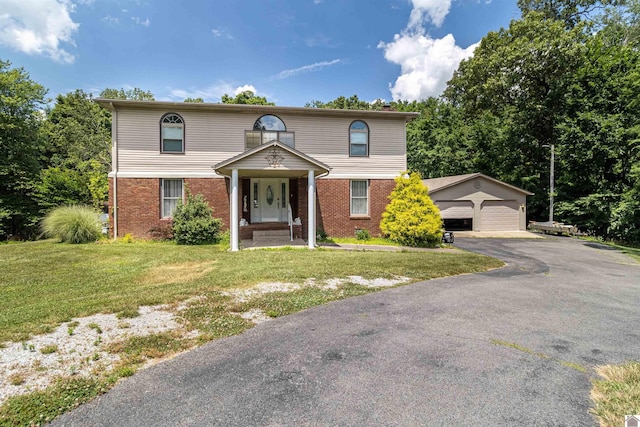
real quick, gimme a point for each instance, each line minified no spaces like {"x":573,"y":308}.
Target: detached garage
{"x":478,"y":202}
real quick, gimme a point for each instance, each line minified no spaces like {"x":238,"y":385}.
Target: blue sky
{"x":291,"y":51}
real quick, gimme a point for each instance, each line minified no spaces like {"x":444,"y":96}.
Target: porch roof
{"x":273,"y":159}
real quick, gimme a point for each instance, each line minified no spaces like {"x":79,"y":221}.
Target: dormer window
{"x":266,"y":129}
{"x":172,"y":134}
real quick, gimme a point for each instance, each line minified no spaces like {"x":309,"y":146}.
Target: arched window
{"x":172,"y":133}
{"x":358,"y":139}
{"x":269,"y":122}
{"x":266,"y":129}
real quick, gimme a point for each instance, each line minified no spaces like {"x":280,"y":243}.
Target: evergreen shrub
{"x":411,"y":218}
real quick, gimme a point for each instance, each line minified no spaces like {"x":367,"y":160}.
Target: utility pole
{"x":551,"y":180}
{"x":551,"y":183}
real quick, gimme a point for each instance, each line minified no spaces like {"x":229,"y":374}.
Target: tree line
{"x":565,"y":74}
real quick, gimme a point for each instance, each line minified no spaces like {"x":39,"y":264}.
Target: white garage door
{"x":499,"y":215}
{"x":455,"y":209}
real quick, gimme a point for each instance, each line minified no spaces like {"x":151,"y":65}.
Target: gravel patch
{"x":79,"y":347}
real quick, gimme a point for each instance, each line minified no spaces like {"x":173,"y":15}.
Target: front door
{"x":270,"y":199}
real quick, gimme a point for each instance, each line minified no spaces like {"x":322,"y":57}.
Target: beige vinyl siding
{"x":258,"y":162}
{"x":211,"y":138}
{"x":327,"y":139}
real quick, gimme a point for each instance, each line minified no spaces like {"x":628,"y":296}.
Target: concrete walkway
{"x":278,"y":241}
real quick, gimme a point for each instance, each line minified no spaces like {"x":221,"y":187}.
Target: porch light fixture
{"x":274,"y":158}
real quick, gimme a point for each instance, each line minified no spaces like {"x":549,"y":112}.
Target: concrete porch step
{"x":270,"y":234}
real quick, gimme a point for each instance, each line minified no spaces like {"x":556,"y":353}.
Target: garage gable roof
{"x":437,"y":184}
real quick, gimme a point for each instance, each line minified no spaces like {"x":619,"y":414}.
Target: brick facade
{"x":139,"y":204}
{"x":139,"y":210}
{"x":334,"y":206}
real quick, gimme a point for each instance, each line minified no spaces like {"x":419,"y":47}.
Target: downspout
{"x":114,"y":167}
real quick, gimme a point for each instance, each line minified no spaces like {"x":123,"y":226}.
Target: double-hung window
{"x":359,"y":197}
{"x":172,"y":134}
{"x":171,"y":194}
{"x":358,"y":139}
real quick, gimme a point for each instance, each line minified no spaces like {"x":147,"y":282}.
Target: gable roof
{"x":437,"y":184}
{"x":114,"y":104}
{"x":304,"y":163}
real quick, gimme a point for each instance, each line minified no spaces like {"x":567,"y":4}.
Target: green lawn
{"x":46,"y":283}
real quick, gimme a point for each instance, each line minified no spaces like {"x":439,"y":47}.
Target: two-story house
{"x":257,"y":166}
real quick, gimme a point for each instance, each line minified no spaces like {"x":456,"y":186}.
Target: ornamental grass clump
{"x":193,"y":223}
{"x":73,"y":224}
{"x":411,"y":218}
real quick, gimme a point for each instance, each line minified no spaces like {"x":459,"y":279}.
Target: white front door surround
{"x":269,"y":198}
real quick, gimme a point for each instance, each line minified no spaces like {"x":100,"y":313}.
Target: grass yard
{"x":616,"y":393}
{"x":46,"y":283}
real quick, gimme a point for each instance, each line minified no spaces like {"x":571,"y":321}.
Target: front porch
{"x":266,"y":198}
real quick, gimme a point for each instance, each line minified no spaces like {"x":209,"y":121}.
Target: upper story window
{"x":172,"y":134}
{"x":359,"y":139}
{"x":266,"y":129}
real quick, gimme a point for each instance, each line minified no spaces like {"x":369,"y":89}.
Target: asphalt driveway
{"x":500,"y":348}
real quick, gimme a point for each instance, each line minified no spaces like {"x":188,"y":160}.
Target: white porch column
{"x":311,"y":196}
{"x":234,"y":210}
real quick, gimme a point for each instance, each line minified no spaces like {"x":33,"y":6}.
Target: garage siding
{"x":455,"y":209}
{"x":499,"y":215}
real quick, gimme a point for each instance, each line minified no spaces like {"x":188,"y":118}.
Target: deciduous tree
{"x":246,"y":97}
{"x":21,"y":118}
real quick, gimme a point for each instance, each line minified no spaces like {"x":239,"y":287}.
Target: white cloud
{"x":244,"y":88}
{"x":426,"y":64}
{"x":111,"y":20}
{"x":320,"y":40}
{"x":139,"y":21}
{"x":306,"y":69}
{"x":38,"y":27}
{"x":211,"y":93}
{"x":428,"y":10}
{"x":221,"y":32}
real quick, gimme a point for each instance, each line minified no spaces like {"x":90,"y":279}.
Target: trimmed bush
{"x":362,"y":234}
{"x":73,"y":224}
{"x":193,"y":223}
{"x":411,"y":218}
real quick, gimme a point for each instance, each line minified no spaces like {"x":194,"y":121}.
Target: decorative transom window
{"x":171,"y":194}
{"x":359,"y":197}
{"x":266,"y":129}
{"x":359,"y":139}
{"x":172,"y":134}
